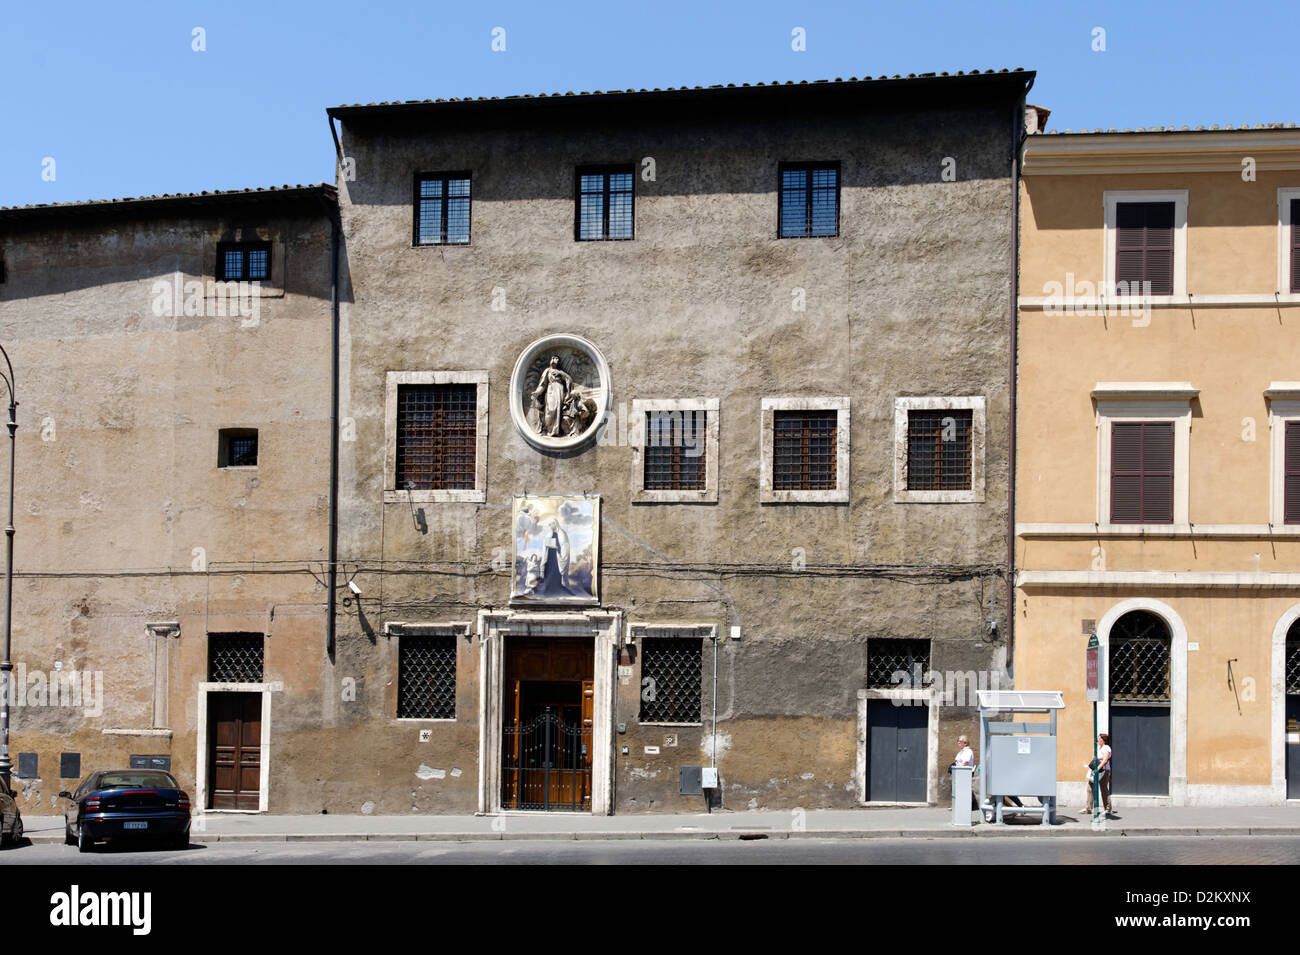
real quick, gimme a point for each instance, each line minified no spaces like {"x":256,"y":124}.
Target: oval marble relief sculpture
{"x":559,"y":392}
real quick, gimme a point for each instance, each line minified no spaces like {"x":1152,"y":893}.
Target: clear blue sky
{"x":116,"y":95}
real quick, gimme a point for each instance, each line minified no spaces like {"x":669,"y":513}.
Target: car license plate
{"x":135,"y":825}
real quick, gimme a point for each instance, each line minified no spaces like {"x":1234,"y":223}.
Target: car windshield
{"x":150,"y":779}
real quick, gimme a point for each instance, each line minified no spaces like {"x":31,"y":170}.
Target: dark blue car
{"x":127,"y":804}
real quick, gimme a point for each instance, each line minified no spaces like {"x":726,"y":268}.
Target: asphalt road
{"x":1145,"y":850}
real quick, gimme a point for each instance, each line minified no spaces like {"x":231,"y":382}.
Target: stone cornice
{"x":1161,"y":152}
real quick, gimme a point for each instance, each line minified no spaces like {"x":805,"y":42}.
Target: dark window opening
{"x":605,"y":203}
{"x":235,"y":657}
{"x":671,"y":679}
{"x":939,"y":449}
{"x":897,"y":663}
{"x":1139,"y":659}
{"x":426,"y":682}
{"x":437,"y":435}
{"x":810,"y":200}
{"x":442,"y":208}
{"x":674,"y":450}
{"x":243,"y":261}
{"x":804,"y":450}
{"x":237,"y":448}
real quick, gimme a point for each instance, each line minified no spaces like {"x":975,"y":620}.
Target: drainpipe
{"x":332,"y":576}
{"x":1017,"y":141}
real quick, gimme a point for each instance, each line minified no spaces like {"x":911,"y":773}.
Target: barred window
{"x":1139,"y":659}
{"x":436,"y":436}
{"x":1293,"y":659}
{"x":674,"y":450}
{"x":670,"y":679}
{"x":605,"y":203}
{"x":804,"y":450}
{"x":888,"y":658}
{"x":810,"y":200}
{"x":237,"y":448}
{"x":426,"y":679}
{"x":442,"y":208}
{"x":235,"y":657}
{"x":939,"y":450}
{"x":243,"y":261}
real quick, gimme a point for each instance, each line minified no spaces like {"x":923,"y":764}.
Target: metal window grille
{"x":1139,"y":659}
{"x":810,"y":201}
{"x":437,"y":429}
{"x":887,"y":658}
{"x":605,"y":204}
{"x":674,"y":450}
{"x":442,"y":209}
{"x":237,"y":448}
{"x":939,"y":450}
{"x":243,"y":261}
{"x":670,"y":679}
{"x":426,"y":680}
{"x":235,"y":657}
{"x":803,"y":449}
{"x":1293,"y":658}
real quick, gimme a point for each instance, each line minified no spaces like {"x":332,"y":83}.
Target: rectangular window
{"x":1291,"y":474}
{"x":426,"y":681}
{"x":436,"y":437}
{"x":939,"y":449}
{"x":605,"y":203}
{"x":675,"y":450}
{"x":243,"y":261}
{"x":670,"y":679}
{"x":1142,"y":472}
{"x":1144,"y":246}
{"x":810,"y":200}
{"x":804,"y":450}
{"x":887,"y":659}
{"x":235,"y":657}
{"x":1295,"y":246}
{"x":237,"y":448}
{"x":442,"y":207}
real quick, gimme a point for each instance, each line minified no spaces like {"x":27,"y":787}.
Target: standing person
{"x":1103,"y":772}
{"x":966,"y":757}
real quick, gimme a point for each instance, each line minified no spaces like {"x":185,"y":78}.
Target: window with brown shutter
{"x":436,"y":437}
{"x":1295,"y":246}
{"x":1291,"y":475}
{"x":1144,"y":247}
{"x":804,"y":450}
{"x":1142,"y":472}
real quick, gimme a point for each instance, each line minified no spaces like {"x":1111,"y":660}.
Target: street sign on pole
{"x":1094,"y":669}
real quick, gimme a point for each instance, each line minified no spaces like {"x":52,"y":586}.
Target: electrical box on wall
{"x":691,"y":780}
{"x":709,"y":777}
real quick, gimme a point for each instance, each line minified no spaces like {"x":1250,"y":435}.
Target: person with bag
{"x":1101,"y":768}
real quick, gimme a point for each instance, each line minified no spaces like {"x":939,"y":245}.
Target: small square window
{"x":809,"y":200}
{"x":442,"y":208}
{"x":605,"y":203}
{"x":671,"y":670}
{"x":243,"y":261}
{"x":804,"y":450}
{"x":237,"y":448}
{"x":426,"y":680}
{"x":939,"y":450}
{"x":236,"y":657}
{"x":675,"y":457}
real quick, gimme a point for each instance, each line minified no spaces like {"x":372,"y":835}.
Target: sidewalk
{"x":926,"y":822}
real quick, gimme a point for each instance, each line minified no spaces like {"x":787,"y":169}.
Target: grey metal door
{"x":1139,"y":739}
{"x":896,"y":751}
{"x":1293,"y":747}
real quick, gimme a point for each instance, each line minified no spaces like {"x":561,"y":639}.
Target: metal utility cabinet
{"x":1018,"y":758}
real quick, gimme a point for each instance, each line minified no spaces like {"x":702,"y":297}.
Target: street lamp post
{"x":6,"y":665}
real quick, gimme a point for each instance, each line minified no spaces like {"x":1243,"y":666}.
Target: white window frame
{"x":1284,"y":227}
{"x":902,"y":406}
{"x":1170,"y":401}
{"x":837,"y":495}
{"x":1111,"y":200}
{"x":636,"y":439}
{"x":395,"y":495}
{"x":1283,"y":399}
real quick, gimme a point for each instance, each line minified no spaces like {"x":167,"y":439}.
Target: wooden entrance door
{"x":234,"y":750}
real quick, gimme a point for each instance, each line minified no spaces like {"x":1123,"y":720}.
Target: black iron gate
{"x":546,"y":762}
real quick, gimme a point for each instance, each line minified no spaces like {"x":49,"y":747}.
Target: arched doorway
{"x":1139,"y":693}
{"x":1292,"y":677}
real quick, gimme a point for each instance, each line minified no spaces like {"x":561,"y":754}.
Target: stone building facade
{"x":813,"y":284}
